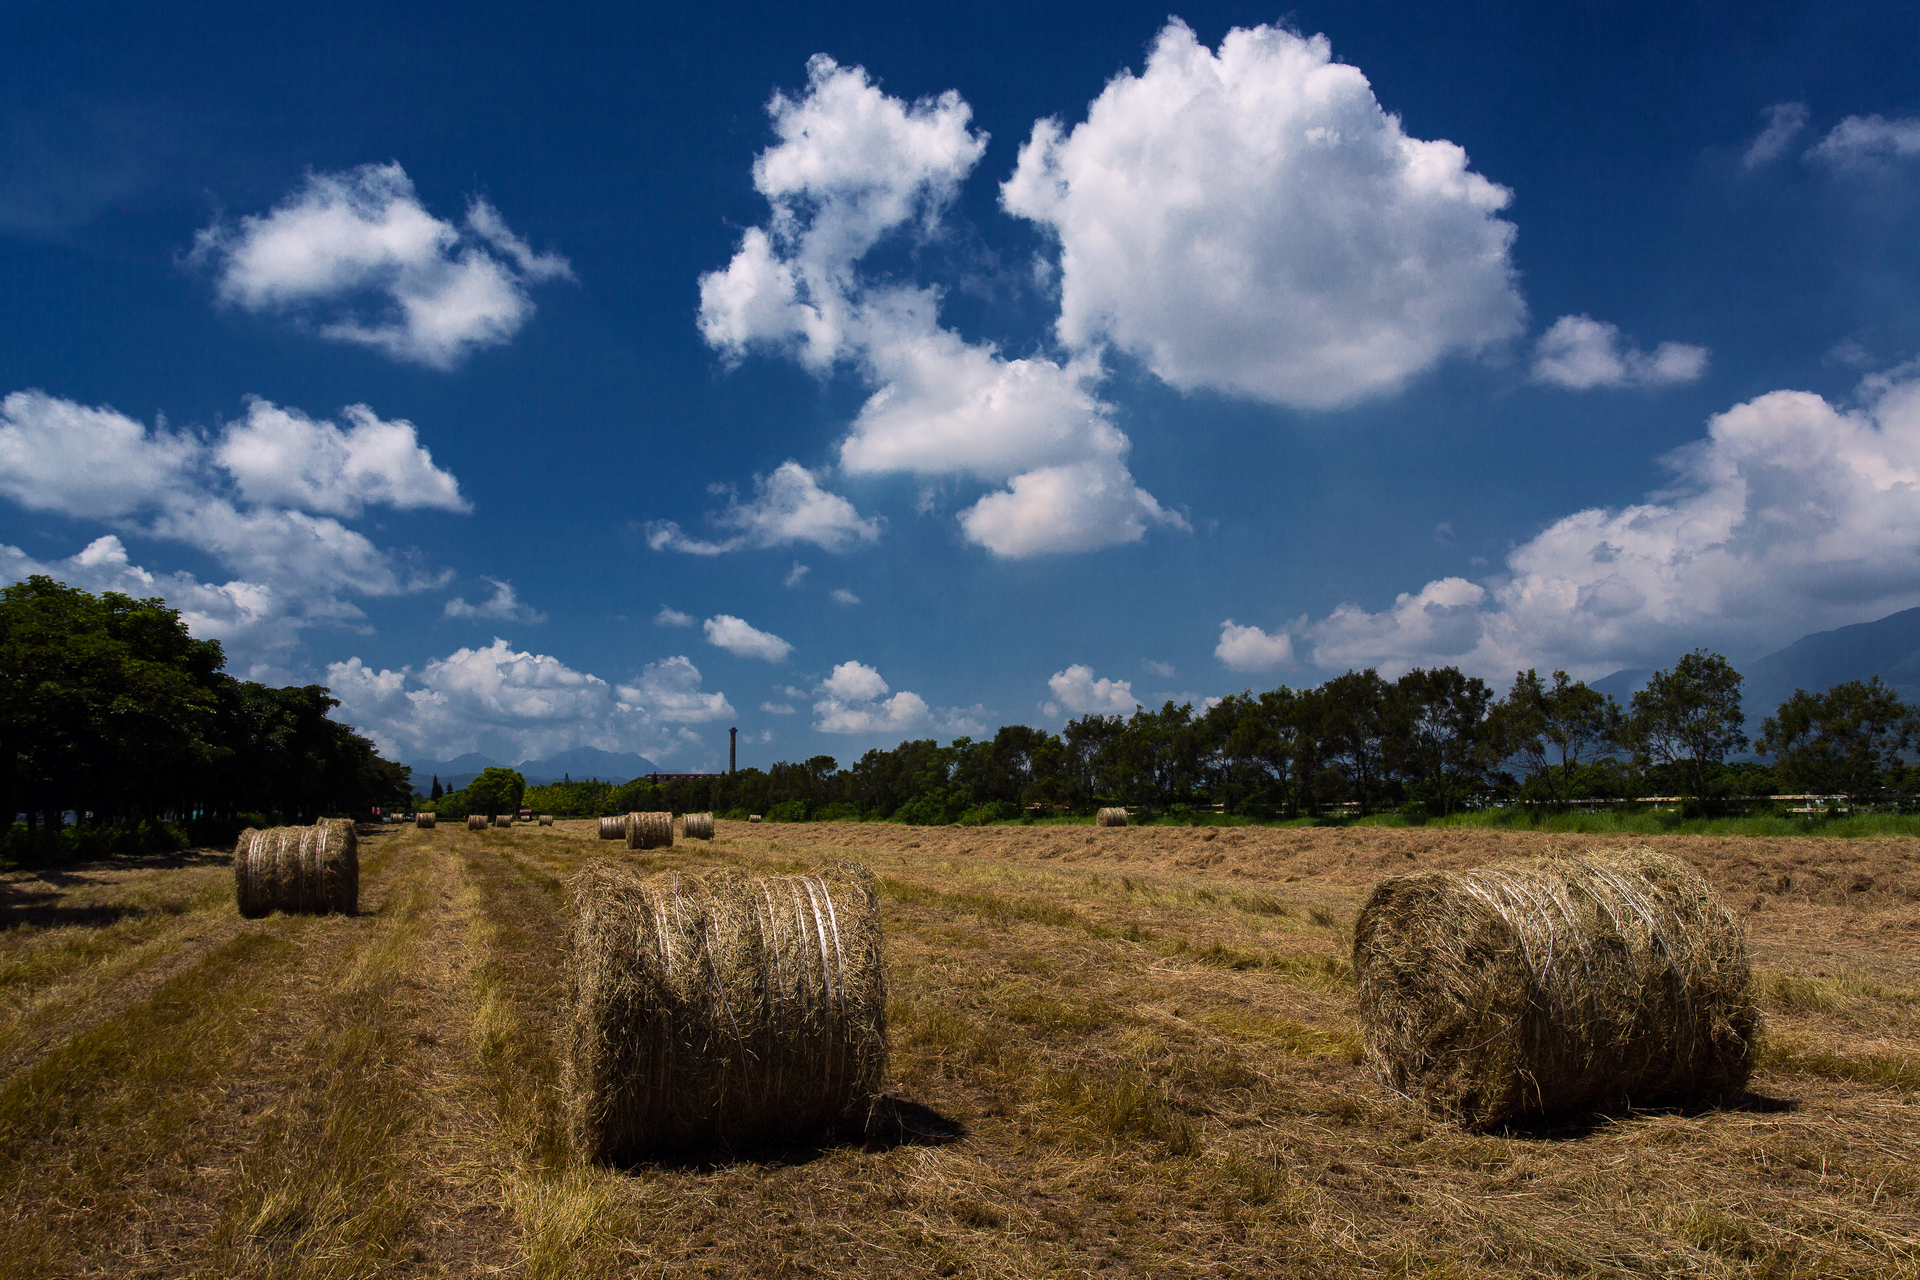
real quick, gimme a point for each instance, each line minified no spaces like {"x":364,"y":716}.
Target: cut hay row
{"x":1111,"y":818}
{"x":424,"y":821}
{"x":649,"y":831}
{"x":1545,"y":985}
{"x":314,"y":868}
{"x":613,"y":828}
{"x":476,"y":822}
{"x":720,"y":1009}
{"x":698,"y":826}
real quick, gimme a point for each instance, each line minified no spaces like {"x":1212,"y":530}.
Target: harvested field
{"x":1124,"y":1051}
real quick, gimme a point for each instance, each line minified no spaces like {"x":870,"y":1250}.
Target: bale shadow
{"x":1574,"y":1127}
{"x":894,"y":1122}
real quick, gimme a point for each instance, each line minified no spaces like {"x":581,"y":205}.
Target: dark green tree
{"x":1689,"y":718}
{"x":495,"y":791}
{"x":1553,"y":729}
{"x":1356,"y":727}
{"x":1442,"y":741}
{"x":437,"y":791}
{"x":1841,"y":741}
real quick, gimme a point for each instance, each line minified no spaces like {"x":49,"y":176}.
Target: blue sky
{"x":614,"y":375}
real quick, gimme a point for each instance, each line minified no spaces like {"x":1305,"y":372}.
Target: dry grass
{"x":1118,"y":1051}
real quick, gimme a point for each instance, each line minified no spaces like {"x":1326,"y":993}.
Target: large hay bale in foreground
{"x":613,"y":828}
{"x":1544,"y":985}
{"x":424,"y":821}
{"x":699,"y":826}
{"x":720,"y":1010}
{"x":476,"y":822}
{"x":650,"y":831}
{"x":314,"y":868}
{"x":1110,"y":818}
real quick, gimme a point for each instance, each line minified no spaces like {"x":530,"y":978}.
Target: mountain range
{"x":1888,"y":648}
{"x":581,"y":764}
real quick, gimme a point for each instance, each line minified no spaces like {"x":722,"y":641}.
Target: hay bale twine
{"x":476,"y":822}
{"x":1111,"y":818}
{"x":699,"y":826}
{"x":720,"y":1010}
{"x":1543,"y":985}
{"x":613,"y":828}
{"x":650,"y":831}
{"x":424,"y":821}
{"x":314,"y":868}
{"x":546,"y":819}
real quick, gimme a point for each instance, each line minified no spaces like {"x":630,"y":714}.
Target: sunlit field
{"x":1116,"y":1052}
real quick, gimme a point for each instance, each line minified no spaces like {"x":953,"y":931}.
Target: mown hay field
{"x":1128,"y":1051}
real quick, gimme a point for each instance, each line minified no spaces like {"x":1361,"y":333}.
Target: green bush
{"x":788,"y":811}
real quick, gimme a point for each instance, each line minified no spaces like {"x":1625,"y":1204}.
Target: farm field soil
{"x":1116,"y":1052}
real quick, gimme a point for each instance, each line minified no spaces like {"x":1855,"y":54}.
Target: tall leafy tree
{"x":1357,"y":728}
{"x":1442,"y":737}
{"x":495,"y":791}
{"x":1690,"y":718}
{"x":1554,"y":728}
{"x":1840,"y":741}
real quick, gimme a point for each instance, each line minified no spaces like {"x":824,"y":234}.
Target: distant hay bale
{"x":613,"y":828}
{"x":753,"y":817}
{"x":699,"y":826}
{"x":314,"y":868}
{"x":720,"y":1010}
{"x":546,"y":819}
{"x":424,"y":821}
{"x":476,"y":822}
{"x":503,"y":820}
{"x":650,"y":831}
{"x":1111,"y":818}
{"x":1544,"y":985}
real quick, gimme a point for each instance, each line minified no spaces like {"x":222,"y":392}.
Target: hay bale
{"x":314,"y":868}
{"x":613,"y":828}
{"x":503,"y":820}
{"x":1111,"y":818}
{"x":1544,"y":985}
{"x":650,"y":831}
{"x":546,"y":819}
{"x":698,"y":826}
{"x":476,"y":822}
{"x":720,"y":1010}
{"x":424,"y":821}
{"x":753,"y":817}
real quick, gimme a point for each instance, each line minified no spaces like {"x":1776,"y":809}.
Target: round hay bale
{"x":1111,"y":818}
{"x":753,"y":817}
{"x":424,"y":821}
{"x":1543,"y":985}
{"x":313,"y":869}
{"x":650,"y":831}
{"x":720,"y":1010}
{"x":476,"y":822}
{"x":699,"y":826}
{"x":503,"y":820}
{"x":613,"y":828}
{"x":546,"y":819}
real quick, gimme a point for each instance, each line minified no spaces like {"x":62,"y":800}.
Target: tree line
{"x":109,"y":709}
{"x":1429,"y":743}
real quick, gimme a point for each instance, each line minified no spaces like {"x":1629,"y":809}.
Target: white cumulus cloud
{"x":788,"y":506}
{"x":502,"y":605}
{"x":840,"y":595}
{"x":281,"y":457}
{"x":672,"y":617}
{"x":358,"y":254}
{"x":851,"y":168}
{"x":1251,"y":649}
{"x":1785,"y":120}
{"x":1078,"y":691}
{"x":1792,"y":515}
{"x":1861,"y":141}
{"x":78,"y":460}
{"x":1253,"y":221}
{"x":1580,"y":353}
{"x":743,"y":640}
{"x":534,"y":700}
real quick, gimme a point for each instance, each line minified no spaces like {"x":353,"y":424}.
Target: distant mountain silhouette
{"x":1888,"y":648}
{"x":580,"y":764}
